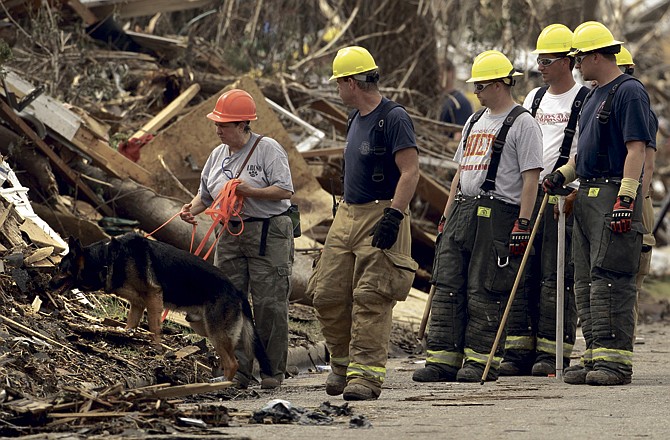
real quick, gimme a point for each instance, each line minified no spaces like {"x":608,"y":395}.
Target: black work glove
{"x":518,"y":240}
{"x":622,"y":214}
{"x":385,"y":232}
{"x":553,"y":183}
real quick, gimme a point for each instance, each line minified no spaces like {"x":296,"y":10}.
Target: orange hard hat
{"x":234,"y":106}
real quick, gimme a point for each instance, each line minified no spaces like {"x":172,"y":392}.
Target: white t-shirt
{"x":522,"y":152}
{"x":553,"y":115}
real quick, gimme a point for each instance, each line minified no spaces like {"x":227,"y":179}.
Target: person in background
{"x":365,"y":265}
{"x":457,"y":108}
{"x":485,"y":228}
{"x":530,"y":346}
{"x":260,"y":259}
{"x":624,"y":60}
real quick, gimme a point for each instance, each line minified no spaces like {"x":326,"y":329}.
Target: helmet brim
{"x":595,"y":48}
{"x":491,"y":77}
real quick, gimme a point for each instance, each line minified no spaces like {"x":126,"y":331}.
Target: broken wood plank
{"x":109,"y":159}
{"x":74,"y":131}
{"x":336,"y":116}
{"x":28,"y":406}
{"x":140,"y":8}
{"x":186,"y":351}
{"x":187,"y":390}
{"x":161,"y":45}
{"x":162,"y":118}
{"x":83,"y":12}
{"x":4,"y":213}
{"x":90,"y":415}
{"x":432,"y":192}
{"x":39,"y":255}
{"x":323,"y":152}
{"x":7,"y":113}
{"x":32,"y":332}
{"x":39,"y":237}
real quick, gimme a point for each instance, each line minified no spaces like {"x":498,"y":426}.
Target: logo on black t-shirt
{"x":365,"y":148}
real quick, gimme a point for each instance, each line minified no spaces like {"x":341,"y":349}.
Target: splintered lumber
{"x":7,"y":113}
{"x":32,"y":332}
{"x":107,"y":158}
{"x":432,"y":192}
{"x":92,"y":414}
{"x":187,"y":390}
{"x":38,"y":255}
{"x":72,"y":130}
{"x":140,"y":8}
{"x":323,"y":152}
{"x":81,"y":10}
{"x":169,"y":112}
{"x":334,"y":115}
{"x":161,"y":45}
{"x":28,"y":406}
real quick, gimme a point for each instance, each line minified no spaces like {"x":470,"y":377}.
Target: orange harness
{"x":226,"y":206}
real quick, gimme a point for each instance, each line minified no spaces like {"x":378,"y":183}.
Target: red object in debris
{"x":131,"y":147}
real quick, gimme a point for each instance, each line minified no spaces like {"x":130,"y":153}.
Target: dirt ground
{"x":65,"y":373}
{"x":518,"y":408}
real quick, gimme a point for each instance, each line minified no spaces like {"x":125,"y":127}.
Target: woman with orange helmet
{"x":258,"y":259}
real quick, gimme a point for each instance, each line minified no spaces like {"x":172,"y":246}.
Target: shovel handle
{"x":519,"y":274}
{"x":426,"y":314}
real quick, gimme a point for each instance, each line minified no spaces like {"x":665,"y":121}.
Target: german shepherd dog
{"x":152,"y":275}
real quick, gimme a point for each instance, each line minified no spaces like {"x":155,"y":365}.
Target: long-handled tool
{"x":560,"y":286}
{"x":426,"y":314}
{"x":519,"y":274}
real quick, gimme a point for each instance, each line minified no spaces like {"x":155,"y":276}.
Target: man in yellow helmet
{"x":607,"y":232}
{"x":366,"y":265}
{"x":530,"y":347}
{"x":487,"y":227}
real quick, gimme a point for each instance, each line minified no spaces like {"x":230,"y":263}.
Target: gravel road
{"x":518,"y":408}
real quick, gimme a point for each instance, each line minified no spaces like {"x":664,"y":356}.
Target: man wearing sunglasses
{"x":607,"y":232}
{"x":487,"y":228}
{"x":530,"y":346}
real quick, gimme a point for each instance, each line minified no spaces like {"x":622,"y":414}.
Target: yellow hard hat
{"x":590,"y":36}
{"x":624,"y":58}
{"x":492,"y":65}
{"x":352,"y":60}
{"x":555,"y":38}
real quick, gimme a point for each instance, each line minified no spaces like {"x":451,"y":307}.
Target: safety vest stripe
{"x":610,"y":355}
{"x":451,"y":358}
{"x":549,"y":346}
{"x":519,"y":343}
{"x":340,"y":362}
{"x":374,"y":373}
{"x":471,"y":355}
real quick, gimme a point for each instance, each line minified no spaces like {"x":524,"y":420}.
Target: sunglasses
{"x":547,"y":61}
{"x":226,"y":172}
{"x":481,"y":86}
{"x":580,"y":58}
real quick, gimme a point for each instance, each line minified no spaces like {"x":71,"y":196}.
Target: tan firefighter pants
{"x":356,"y":287}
